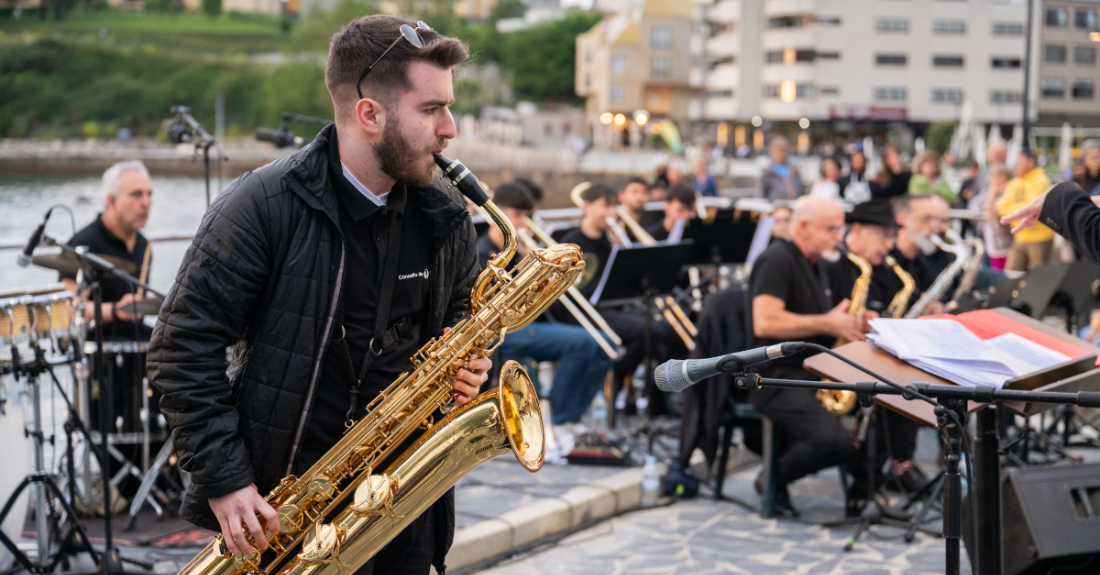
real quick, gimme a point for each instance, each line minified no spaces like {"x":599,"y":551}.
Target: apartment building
{"x":1068,"y":69}
{"x":878,"y":60}
{"x":647,"y":56}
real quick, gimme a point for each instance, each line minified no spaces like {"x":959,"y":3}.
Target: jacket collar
{"x":309,"y":177}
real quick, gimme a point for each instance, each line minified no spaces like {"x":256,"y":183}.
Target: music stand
{"x":638,"y":275}
{"x":726,"y":239}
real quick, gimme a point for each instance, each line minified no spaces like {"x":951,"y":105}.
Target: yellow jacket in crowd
{"x":1019,"y":193}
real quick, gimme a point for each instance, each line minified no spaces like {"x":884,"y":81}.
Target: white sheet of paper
{"x":1025,"y":356}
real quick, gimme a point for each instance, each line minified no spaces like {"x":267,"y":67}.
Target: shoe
{"x":854,"y":507}
{"x":758,"y":483}
{"x":910,"y":479}
{"x":782,"y":507}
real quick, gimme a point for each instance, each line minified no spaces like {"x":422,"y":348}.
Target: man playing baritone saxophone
{"x":789,"y":303}
{"x":871,"y":236}
{"x":294,"y":265}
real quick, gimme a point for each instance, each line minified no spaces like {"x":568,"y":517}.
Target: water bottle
{"x":599,"y":413}
{"x":651,"y":481}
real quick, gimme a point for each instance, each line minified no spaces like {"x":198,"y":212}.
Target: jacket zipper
{"x":317,"y":364}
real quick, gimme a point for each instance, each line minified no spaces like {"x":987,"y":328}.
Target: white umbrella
{"x":1015,"y":144}
{"x":980,"y":149}
{"x":1065,"y":141}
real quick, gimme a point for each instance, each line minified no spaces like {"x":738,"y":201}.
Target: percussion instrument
{"x":37,"y":314}
{"x":67,"y":263}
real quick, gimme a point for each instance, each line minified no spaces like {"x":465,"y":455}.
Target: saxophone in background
{"x":347,"y":506}
{"x":836,"y":402}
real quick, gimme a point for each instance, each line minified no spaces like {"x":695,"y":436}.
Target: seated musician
{"x":128,"y":196}
{"x":581,"y":365}
{"x":914,"y":251}
{"x":679,"y":207}
{"x":789,"y":303}
{"x":633,"y":198}
{"x":871,"y":236}
{"x":600,"y":201}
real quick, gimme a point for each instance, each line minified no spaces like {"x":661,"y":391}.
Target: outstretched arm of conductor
{"x":1069,"y":211}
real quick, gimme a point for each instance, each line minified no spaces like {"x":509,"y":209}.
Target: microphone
{"x":24,"y":259}
{"x":280,"y":137}
{"x":678,"y":375}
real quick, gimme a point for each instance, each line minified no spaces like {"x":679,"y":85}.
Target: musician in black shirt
{"x":789,"y":303}
{"x":914,"y":251}
{"x":680,"y":206}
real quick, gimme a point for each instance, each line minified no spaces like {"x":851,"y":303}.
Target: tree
{"x":938,"y":136}
{"x":212,"y":8}
{"x":542,"y":59}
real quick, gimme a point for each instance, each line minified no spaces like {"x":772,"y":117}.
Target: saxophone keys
{"x":290,"y":518}
{"x":374,"y":495}
{"x":321,"y":545}
{"x":320,"y":488}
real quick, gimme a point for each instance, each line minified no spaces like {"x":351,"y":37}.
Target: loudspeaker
{"x":1064,"y":287}
{"x":1051,"y":519}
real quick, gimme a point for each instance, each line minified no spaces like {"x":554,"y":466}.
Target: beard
{"x":400,"y":159}
{"x":927,"y":247}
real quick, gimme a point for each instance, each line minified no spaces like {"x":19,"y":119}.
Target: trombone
{"x":670,"y":310}
{"x":575,"y":302}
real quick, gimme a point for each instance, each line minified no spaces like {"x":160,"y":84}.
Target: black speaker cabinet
{"x":1059,"y":286}
{"x":1051,"y":518}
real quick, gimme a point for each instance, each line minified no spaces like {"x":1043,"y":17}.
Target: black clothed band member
{"x":814,"y":439}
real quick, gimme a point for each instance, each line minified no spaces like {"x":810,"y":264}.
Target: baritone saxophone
{"x":347,"y":506}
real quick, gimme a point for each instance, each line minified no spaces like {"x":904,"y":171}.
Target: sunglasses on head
{"x":408,"y":33}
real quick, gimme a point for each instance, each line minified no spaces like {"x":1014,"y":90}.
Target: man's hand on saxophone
{"x":240,"y":506}
{"x":468,"y":381}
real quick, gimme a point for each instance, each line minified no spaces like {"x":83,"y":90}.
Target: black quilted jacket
{"x":264,"y":275}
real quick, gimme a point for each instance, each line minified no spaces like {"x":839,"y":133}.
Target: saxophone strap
{"x":382,"y":336}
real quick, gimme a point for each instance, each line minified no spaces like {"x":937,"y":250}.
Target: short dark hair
{"x":513,"y":195}
{"x":903,"y":204}
{"x":684,"y":194}
{"x":598,"y":191}
{"x":534,"y":189}
{"x":636,"y":180}
{"x":1029,"y":154}
{"x":364,"y":39}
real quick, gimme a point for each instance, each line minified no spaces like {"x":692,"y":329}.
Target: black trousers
{"x":410,"y":553}
{"x":895,"y":437}
{"x":812,"y":438}
{"x":629,"y":324}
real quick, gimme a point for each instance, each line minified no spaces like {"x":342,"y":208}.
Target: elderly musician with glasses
{"x":789,"y":302}
{"x":326,"y":270}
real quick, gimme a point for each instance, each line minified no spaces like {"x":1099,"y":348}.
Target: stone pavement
{"x":703,"y":536}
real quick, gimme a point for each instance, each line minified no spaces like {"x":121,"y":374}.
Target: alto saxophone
{"x":346,"y":507}
{"x":901,"y":299}
{"x":838,"y":402}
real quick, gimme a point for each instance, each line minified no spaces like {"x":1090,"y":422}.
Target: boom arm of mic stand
{"x":95,"y":262}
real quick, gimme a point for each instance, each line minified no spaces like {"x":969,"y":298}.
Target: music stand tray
{"x":636,"y":272}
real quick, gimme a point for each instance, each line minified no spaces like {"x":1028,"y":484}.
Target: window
{"x":1085,"y":18}
{"x":1084,"y":55}
{"x":799,"y":21}
{"x":618,"y":95}
{"x":588,"y":80}
{"x":803,"y":91}
{"x":828,"y":20}
{"x":829,"y":90}
{"x":892,"y":25}
{"x":890,"y":94}
{"x":949,"y":26}
{"x":1054,"y":53}
{"x":661,"y":37}
{"x":618,"y":65}
{"x":947,"y":96}
{"x":827,"y":55}
{"x":1001,"y":63}
{"x":1083,"y":89}
{"x":1052,"y":88}
{"x":588,"y":55}
{"x":890,"y":59}
{"x":789,"y":56}
{"x":947,"y":61}
{"x":1008,"y":29}
{"x":1057,"y":17}
{"x":771,"y":91}
{"x":661,"y":67}
{"x":1004,"y":97}
{"x":720,"y":94}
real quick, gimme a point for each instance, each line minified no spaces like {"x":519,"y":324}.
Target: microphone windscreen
{"x":670,"y":376}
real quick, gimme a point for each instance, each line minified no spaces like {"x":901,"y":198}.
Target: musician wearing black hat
{"x":871,"y":234}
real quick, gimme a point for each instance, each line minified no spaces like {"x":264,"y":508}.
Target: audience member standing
{"x":1031,"y":245}
{"x":996,"y":236}
{"x":855,"y":187}
{"x":929,"y":180}
{"x":703,"y":182}
{"x":893,"y":180}
{"x":1089,"y":179}
{"x":826,"y":186}
{"x":969,"y":188}
{"x":781,"y":180}
{"x":997,"y":155}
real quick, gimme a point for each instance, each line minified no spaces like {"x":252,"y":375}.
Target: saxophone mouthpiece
{"x":460,"y":176}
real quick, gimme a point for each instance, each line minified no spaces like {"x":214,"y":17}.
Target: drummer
{"x":128,"y":194}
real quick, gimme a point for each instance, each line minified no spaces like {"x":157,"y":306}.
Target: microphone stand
{"x":951,"y":402}
{"x":204,"y":141}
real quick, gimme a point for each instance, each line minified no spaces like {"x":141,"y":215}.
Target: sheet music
{"x":760,"y":239}
{"x":1025,"y":356}
{"x":603,"y":278}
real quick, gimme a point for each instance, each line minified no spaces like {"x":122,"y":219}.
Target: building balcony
{"x":727,"y":44}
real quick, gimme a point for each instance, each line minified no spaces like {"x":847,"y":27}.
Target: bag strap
{"x":382,"y":336}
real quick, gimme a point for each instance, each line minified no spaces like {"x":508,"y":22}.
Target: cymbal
{"x":66,"y":263}
{"x":148,"y":306}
